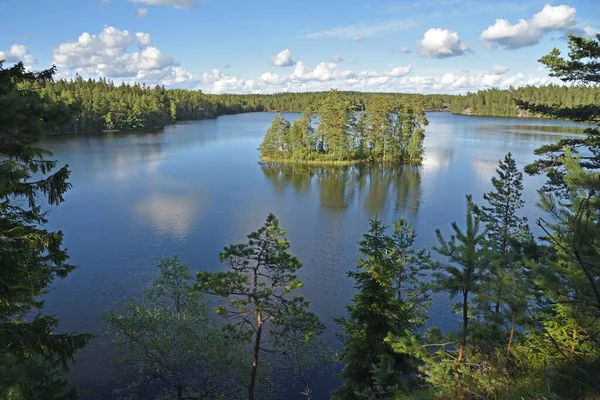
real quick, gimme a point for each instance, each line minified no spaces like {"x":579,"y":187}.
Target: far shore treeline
{"x":101,"y":105}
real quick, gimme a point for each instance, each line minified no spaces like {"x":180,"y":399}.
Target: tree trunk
{"x":259,"y":326}
{"x":463,"y":340}
{"x":179,"y":392}
{"x":512,"y":333}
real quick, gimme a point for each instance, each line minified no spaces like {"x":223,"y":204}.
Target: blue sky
{"x":235,"y":46}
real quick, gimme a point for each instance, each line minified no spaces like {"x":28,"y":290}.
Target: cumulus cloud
{"x":107,"y":55}
{"x":173,"y":3}
{"x":283,"y":59}
{"x":17,"y":53}
{"x":442,"y":43}
{"x":525,"y":33}
{"x":361,"y":31}
{"x":141,"y":12}
{"x":336,"y":59}
{"x":499,"y":70}
{"x":589,"y":31}
{"x":326,"y":75}
{"x":405,"y":50}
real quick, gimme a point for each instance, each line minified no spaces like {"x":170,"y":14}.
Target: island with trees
{"x":385,"y":131}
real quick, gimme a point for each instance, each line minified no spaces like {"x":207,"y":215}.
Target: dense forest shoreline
{"x":101,"y":106}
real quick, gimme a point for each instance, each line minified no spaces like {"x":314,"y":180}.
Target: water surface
{"x":195,"y":187}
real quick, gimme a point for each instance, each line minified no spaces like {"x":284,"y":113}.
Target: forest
{"x":385,"y":131}
{"x":529,"y":308}
{"x":100,"y":105}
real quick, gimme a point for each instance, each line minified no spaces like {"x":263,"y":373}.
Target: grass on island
{"x":335,"y":163}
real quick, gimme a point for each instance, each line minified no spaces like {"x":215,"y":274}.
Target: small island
{"x":382,"y":130}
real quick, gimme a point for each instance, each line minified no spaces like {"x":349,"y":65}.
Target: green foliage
{"x":466,"y":253}
{"x":33,"y":358}
{"x":386,"y":304}
{"x":570,"y":280}
{"x":258,"y":288}
{"x":385,"y":132}
{"x":171,"y":342}
{"x":582,"y":67}
{"x":507,"y":234}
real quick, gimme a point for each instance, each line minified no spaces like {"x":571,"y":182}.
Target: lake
{"x":195,"y":187}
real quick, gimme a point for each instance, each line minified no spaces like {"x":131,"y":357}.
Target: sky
{"x":260,"y":46}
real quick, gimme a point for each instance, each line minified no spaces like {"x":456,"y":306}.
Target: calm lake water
{"x":195,"y":187}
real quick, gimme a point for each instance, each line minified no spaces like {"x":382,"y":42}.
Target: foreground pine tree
{"x":258,"y":290}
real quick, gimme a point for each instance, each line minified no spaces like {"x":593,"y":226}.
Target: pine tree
{"x":569,"y":281}
{"x":275,"y":142}
{"x":466,"y":254}
{"x":505,"y":229}
{"x":258,"y":287}
{"x":582,"y":67}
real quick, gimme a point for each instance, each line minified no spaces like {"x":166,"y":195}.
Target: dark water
{"x":196,"y":187}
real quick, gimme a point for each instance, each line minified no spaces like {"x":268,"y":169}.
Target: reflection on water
{"x":195,"y":187}
{"x":532,"y":129}
{"x":437,"y":158}
{"x":169,"y":215}
{"x":376,"y":187}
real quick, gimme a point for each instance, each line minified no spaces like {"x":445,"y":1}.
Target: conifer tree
{"x":466,"y":255}
{"x":371,"y":368}
{"x":275,"y":142}
{"x":258,"y":288}
{"x":505,"y":229}
{"x":583,"y":67}
{"x":33,"y":358}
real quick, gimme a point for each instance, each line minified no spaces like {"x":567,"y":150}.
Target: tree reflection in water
{"x":375,"y":186}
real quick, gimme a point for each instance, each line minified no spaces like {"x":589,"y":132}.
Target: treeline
{"x":385,"y":130}
{"x":100,"y":105}
{"x":504,"y":103}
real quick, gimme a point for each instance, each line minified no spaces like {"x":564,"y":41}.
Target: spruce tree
{"x":33,"y":358}
{"x":371,"y":368}
{"x":505,"y":232}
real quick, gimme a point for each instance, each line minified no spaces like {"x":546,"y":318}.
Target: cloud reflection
{"x":169,"y":215}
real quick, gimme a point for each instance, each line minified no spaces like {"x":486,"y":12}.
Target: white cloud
{"x":499,"y":70}
{"x":141,"y":12}
{"x":589,"y":31}
{"x":442,"y":43}
{"x":400,"y":71}
{"x":173,"y":3}
{"x":326,"y":75}
{"x":283,"y":59}
{"x":16,"y":53}
{"x":336,"y":59}
{"x":143,"y":39}
{"x":107,"y":55}
{"x":529,"y":32}
{"x":360,"y":31}
{"x":405,"y":50}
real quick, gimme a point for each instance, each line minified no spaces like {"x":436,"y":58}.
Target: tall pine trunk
{"x":259,"y":326}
